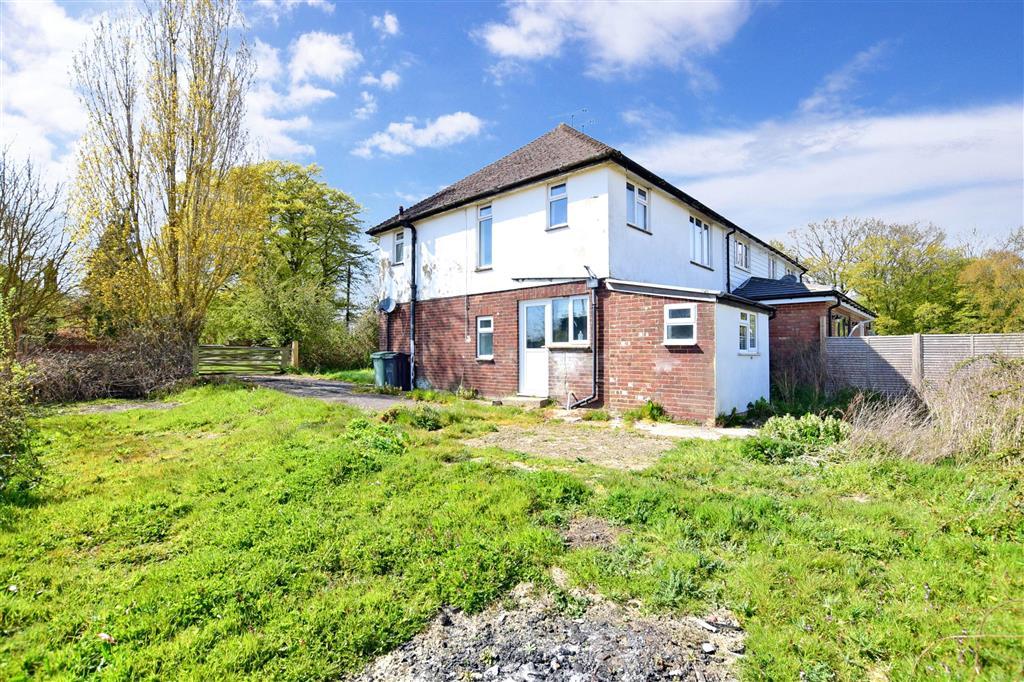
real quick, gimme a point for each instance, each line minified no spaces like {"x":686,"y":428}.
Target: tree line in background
{"x":913,"y":278}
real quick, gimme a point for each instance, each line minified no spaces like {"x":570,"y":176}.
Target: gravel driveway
{"x":324,"y":389}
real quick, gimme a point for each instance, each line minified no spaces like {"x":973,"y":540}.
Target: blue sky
{"x":775,"y":114}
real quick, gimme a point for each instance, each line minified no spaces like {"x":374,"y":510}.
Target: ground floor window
{"x":485,"y":338}
{"x":680,"y":324}
{"x":570,"y":320}
{"x":748,"y":332}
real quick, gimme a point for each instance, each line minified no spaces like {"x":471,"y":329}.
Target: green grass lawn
{"x":354,"y":376}
{"x":246,"y":533}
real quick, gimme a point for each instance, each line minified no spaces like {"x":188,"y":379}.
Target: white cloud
{"x":368,"y":107}
{"x":960,"y":169}
{"x":387,"y":24}
{"x":830,"y":96}
{"x":40,"y":115}
{"x":328,"y":56}
{"x":388,"y":80}
{"x":275,"y":9}
{"x":406,"y":137}
{"x":618,"y":35}
{"x":268,"y":61}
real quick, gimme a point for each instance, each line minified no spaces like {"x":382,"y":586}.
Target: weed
{"x":649,"y":411}
{"x":595,"y":416}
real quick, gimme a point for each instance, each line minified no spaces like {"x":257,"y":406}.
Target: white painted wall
{"x":740,"y":378}
{"x":522,"y":244}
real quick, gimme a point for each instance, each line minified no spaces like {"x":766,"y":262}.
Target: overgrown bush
{"x":135,"y":365}
{"x":595,"y":416}
{"x":20,"y":468}
{"x":976,"y":413}
{"x":786,"y":436}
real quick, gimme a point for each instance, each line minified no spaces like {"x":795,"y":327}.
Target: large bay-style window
{"x":701,"y":242}
{"x":748,"y":332}
{"x":558,"y":206}
{"x":484,"y":338}
{"x":680,"y":324}
{"x":570,"y":320}
{"x":483,"y":237}
{"x":636,"y":207}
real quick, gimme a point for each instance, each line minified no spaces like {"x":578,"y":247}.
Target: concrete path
{"x":324,"y":389}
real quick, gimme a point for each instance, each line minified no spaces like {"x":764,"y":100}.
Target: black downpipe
{"x":828,"y":315}
{"x":593,"y":351}
{"x":728,"y":267}
{"x":412,"y":310}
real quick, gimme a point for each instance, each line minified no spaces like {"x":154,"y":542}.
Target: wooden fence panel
{"x":240,"y":359}
{"x":897,"y":364}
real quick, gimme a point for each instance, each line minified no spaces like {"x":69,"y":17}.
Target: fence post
{"x":823,"y":336}
{"x":917,"y":361}
{"x":295,"y":354}
{"x":195,"y":359}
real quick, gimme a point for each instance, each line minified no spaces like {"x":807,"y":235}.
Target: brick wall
{"x":795,"y":327}
{"x":634,"y":365}
{"x":446,"y":360}
{"x":638,"y":366}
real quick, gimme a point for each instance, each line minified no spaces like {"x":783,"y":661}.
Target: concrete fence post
{"x":917,"y":361}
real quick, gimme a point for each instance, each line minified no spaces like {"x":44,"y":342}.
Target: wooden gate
{"x":240,"y":359}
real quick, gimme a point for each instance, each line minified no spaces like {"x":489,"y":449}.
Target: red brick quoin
{"x":634,"y":365}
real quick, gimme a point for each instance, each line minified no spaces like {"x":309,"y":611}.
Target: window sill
{"x":701,"y":265}
{"x":487,"y":360}
{"x":679,"y":344}
{"x":569,"y":346}
{"x":395,"y":265}
{"x":555,"y":228}
{"x":483,"y":268}
{"x":748,"y":354}
{"x":740,"y":267}
{"x":638,"y":228}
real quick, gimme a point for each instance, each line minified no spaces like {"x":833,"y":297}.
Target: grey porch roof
{"x":558,"y":151}
{"x":766,"y":289}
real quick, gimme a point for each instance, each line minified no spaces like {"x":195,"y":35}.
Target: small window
{"x":399,"y":255}
{"x":570,"y":320}
{"x":790,"y":272}
{"x":680,"y":325}
{"x":773,"y":268}
{"x":558,"y":206}
{"x":483,"y":237}
{"x":636,"y":207}
{"x":701,"y":241}
{"x":485,"y":338}
{"x":748,"y":332}
{"x":742,"y":255}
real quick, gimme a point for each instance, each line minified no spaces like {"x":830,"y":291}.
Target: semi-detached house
{"x":567,"y":270}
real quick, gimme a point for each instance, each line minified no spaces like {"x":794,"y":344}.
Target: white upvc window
{"x":742,"y":255}
{"x":570,"y":320}
{"x":637,"y":207}
{"x":485,"y":338}
{"x":398,"y":253}
{"x":748,"y":332}
{"x":680,"y":324}
{"x":483,"y":237}
{"x":701,"y":241}
{"x":558,"y":206}
{"x":773,"y":268}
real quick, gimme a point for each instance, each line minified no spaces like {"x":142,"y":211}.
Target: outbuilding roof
{"x":766,"y":289}
{"x":558,"y":151}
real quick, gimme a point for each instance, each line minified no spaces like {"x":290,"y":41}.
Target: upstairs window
{"x":742,"y":255}
{"x":701,"y":242}
{"x":483,"y":237}
{"x":558,"y":206}
{"x":636,"y":207}
{"x":680,"y":324}
{"x":570,"y":320}
{"x":773,"y":268}
{"x":399,"y":252}
{"x":748,"y":332}
{"x":485,"y":338}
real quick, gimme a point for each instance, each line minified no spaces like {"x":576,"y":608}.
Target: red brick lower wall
{"x":638,"y":366}
{"x":795,"y":328}
{"x":634,"y":365}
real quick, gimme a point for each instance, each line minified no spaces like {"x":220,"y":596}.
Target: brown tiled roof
{"x":559,"y":151}
{"x":554,"y":152}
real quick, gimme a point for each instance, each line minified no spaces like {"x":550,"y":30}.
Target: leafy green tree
{"x":991,"y":295}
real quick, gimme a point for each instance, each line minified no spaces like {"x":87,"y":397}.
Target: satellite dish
{"x":387,"y":305}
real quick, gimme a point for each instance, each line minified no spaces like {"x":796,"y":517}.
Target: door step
{"x":523,"y":401}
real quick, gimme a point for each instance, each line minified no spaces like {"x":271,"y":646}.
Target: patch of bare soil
{"x":613,"y":448}
{"x":527,"y":639}
{"x":591,"y":532}
{"x":125,"y":406}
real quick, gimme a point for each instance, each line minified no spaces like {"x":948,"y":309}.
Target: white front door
{"x":534,"y":326}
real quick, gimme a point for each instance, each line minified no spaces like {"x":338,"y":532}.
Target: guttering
{"x":820,"y":297}
{"x":412,"y":308}
{"x":828,"y":316}
{"x":728,"y":267}
{"x":625,"y":284}
{"x":684,"y":293}
{"x":593,"y":282}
